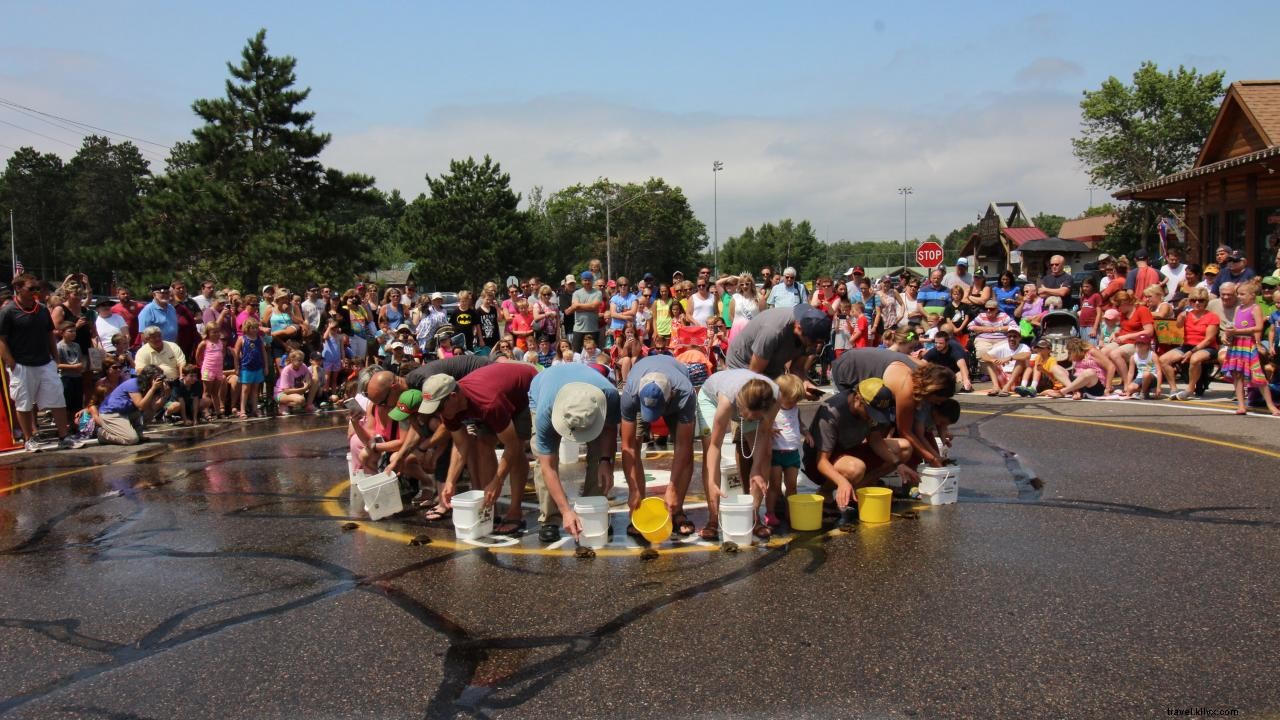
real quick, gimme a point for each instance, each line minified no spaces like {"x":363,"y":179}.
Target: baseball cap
{"x":655,"y":389}
{"x":437,"y":296}
{"x":1236,"y":256}
{"x":1043,"y":343}
{"x":406,"y":405}
{"x":569,"y":279}
{"x":1139,"y":254}
{"x":434,"y":391}
{"x":578,"y":412}
{"x":1271,"y":281}
{"x":1212,"y":269}
{"x":588,"y":275}
{"x":266,"y":289}
{"x":1013,"y":330}
{"x":848,"y":272}
{"x":963,"y":261}
{"x":814,"y":323}
{"x":857,"y":270}
{"x":613,"y":283}
{"x":648,"y":277}
{"x":991,"y":304}
{"x":878,"y":398}
{"x":1111,"y":314}
{"x":402,"y":327}
{"x":161,"y":287}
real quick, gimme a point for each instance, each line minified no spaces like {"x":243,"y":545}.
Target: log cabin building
{"x":1232,"y":193}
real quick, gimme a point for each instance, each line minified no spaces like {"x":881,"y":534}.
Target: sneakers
{"x":1024,"y":391}
{"x":70,"y":443}
{"x":1180,"y":395}
{"x":32,"y":446}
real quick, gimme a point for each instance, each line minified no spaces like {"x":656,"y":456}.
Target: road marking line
{"x":1120,"y":426}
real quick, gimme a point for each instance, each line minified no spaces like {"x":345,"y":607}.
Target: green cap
{"x":406,"y":405}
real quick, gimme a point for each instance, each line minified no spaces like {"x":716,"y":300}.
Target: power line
{"x":33,"y":132}
{"x":149,"y":154}
{"x":11,"y":103}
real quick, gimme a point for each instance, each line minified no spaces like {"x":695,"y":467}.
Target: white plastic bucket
{"x":730,"y":478}
{"x":355,"y":501}
{"x":736,"y":519}
{"x":939,"y":486}
{"x":471,"y":519}
{"x":594,"y":514}
{"x":381,"y":495}
{"x":569,"y":452}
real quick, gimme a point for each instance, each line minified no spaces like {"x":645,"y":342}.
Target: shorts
{"x":249,"y":377}
{"x":211,"y":375}
{"x":863,"y":452}
{"x":786,"y":459}
{"x":36,"y":386}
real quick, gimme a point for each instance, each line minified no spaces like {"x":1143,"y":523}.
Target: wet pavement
{"x":212,"y":574}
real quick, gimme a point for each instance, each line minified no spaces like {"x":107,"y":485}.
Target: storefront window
{"x":1268,"y":240}
{"x":1235,"y":230}
{"x":1210,"y":232}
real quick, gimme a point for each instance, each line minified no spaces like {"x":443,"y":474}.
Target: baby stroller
{"x":1058,"y":326}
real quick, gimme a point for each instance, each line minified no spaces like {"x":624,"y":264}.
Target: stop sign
{"x":929,"y":254}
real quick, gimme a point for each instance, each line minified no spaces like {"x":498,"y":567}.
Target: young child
{"x":1047,"y":377}
{"x":522,"y":325}
{"x":788,"y":439}
{"x":187,"y":396}
{"x":565,"y":353}
{"x":843,"y":329}
{"x":1243,"y":365}
{"x":546,"y":352}
{"x":295,"y":386}
{"x":861,"y":323}
{"x":1109,"y":326}
{"x":336,"y":349}
{"x":660,"y":345}
{"x":249,"y":357}
{"x":71,"y":365}
{"x":209,"y":355}
{"x":1143,"y":375}
{"x":590,"y":353}
{"x":87,"y":420}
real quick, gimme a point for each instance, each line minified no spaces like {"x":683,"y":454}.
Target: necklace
{"x":35,"y":306}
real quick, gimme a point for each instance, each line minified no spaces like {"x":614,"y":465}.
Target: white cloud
{"x":1048,"y":71}
{"x":840,"y":171}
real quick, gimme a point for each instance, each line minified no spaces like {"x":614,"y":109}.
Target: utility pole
{"x":904,"y":192}
{"x":716,"y":167}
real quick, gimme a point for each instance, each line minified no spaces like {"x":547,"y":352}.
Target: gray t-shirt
{"x":835,"y":429}
{"x":456,"y":367}
{"x":770,"y":335}
{"x":586,"y":321}
{"x":729,"y":382}
{"x":1055,"y":282}
{"x":683,"y":402}
{"x":858,"y":364}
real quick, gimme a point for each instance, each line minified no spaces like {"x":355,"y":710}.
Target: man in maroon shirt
{"x":128,"y":309}
{"x":488,"y":406}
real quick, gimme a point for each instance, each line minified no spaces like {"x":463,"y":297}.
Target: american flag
{"x":18,"y":269}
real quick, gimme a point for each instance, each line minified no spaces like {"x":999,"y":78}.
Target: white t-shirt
{"x":1004,"y":353}
{"x":107,"y":327}
{"x":703,"y":309}
{"x":786,"y":428}
{"x":1172,"y":279}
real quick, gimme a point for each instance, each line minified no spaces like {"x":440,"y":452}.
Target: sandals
{"x":710,"y":533}
{"x":437,"y":513}
{"x":682,"y":525}
{"x":762,"y":532}
{"x":771,"y":521}
{"x":510,"y":527}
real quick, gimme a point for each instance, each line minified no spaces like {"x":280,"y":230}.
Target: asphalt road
{"x":210,"y":574}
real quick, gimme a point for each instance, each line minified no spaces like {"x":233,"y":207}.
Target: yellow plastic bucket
{"x":652,"y":519}
{"x":874,"y":504}
{"x":806,"y":511}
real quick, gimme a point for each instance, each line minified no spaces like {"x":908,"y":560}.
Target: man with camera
{"x":120,"y":417}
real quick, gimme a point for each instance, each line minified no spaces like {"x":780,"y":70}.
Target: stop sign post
{"x":929,"y":254}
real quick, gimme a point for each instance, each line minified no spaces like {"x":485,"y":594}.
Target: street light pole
{"x":904,"y":192}
{"x":716,"y":167}
{"x":608,"y":240}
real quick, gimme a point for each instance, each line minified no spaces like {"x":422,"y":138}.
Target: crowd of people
{"x":435,"y":390}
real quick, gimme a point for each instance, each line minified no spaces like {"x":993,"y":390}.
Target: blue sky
{"x":818,"y":110}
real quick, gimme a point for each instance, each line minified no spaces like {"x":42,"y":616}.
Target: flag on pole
{"x":18,"y":269}
{"x":1162,"y":229}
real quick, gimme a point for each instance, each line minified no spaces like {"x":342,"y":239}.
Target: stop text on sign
{"x":929,"y":254}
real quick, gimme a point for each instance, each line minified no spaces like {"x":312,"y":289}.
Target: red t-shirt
{"x":130,"y":315}
{"x":862,"y":341}
{"x":1089,"y":309}
{"x":494,"y":394}
{"x":1141,"y":316}
{"x":521,"y":323}
{"x":1194,"y":330}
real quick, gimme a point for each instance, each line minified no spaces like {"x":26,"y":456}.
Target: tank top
{"x":703,"y":308}
{"x":251,"y":354}
{"x":394,"y":316}
{"x":1087,"y":363}
{"x":744,"y":309}
{"x":662,"y":318}
{"x":1244,"y":317}
{"x":212,"y":361}
{"x":857,"y":365}
{"x":890,"y":311}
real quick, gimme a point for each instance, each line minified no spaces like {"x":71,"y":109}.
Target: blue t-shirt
{"x":542,"y":397}
{"x":1007,"y":298}
{"x":166,"y":319}
{"x":683,"y":402}
{"x":620,"y":303}
{"x":930,"y":296}
{"x":119,"y":402}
